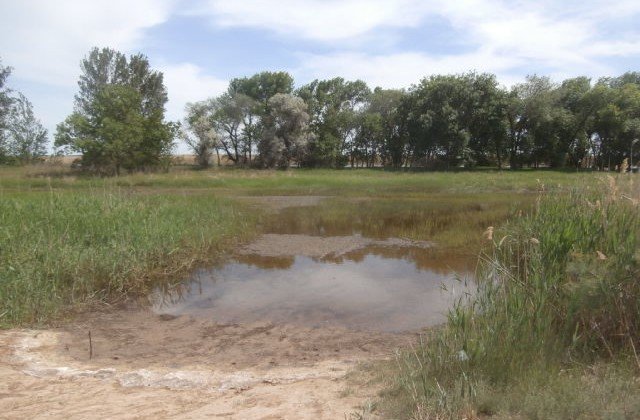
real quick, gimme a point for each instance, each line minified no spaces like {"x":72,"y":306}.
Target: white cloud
{"x":398,"y":70}
{"x":186,"y":82}
{"x":45,"y":40}
{"x":330,"y":20}
{"x":564,"y":38}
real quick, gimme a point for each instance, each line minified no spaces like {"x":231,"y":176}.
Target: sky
{"x":200,"y":45}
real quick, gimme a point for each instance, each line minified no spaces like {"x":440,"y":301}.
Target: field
{"x":550,"y":333}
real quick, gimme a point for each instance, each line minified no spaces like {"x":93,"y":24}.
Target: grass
{"x":553,"y":329}
{"x":444,"y":218}
{"x":360,"y":182}
{"x":62,"y":249}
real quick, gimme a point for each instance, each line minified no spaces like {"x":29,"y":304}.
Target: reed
{"x":61,"y":249}
{"x":553,"y":330}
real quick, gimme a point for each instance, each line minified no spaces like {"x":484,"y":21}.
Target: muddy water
{"x":332,"y":273}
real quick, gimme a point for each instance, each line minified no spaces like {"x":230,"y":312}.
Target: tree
{"x":5,"y":103}
{"x":377,"y":129}
{"x":488,"y":126}
{"x":262,"y":86}
{"x":27,"y":138}
{"x":440,"y":114}
{"x":199,"y":133}
{"x":286,"y":132}
{"x":333,"y":106}
{"x":529,"y":119}
{"x":118,"y":120}
{"x":236,"y":118}
{"x":23,"y":139}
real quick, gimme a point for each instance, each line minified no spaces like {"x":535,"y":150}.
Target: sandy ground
{"x":149,"y":366}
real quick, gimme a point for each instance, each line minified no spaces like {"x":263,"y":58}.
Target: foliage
{"x":237,"y":118}
{"x":445,"y":121}
{"x":23,"y":139}
{"x":262,"y":86}
{"x":558,"y":290}
{"x":26,"y":138}
{"x":286,"y":131}
{"x":199,"y":134}
{"x":5,"y":106}
{"x":333,"y":106}
{"x":118,"y":121}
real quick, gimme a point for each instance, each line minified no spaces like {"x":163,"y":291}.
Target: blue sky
{"x":199,"y":45}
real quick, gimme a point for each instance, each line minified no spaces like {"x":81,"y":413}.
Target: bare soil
{"x":144,"y":365}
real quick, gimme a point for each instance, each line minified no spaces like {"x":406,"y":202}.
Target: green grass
{"x":61,"y":249}
{"x":553,"y":329}
{"x":360,"y":182}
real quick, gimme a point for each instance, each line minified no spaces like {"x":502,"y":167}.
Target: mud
{"x":281,"y":245}
{"x":143,"y":365}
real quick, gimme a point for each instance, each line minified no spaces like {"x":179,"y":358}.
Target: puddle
{"x":357,"y":264}
{"x":377,"y":288}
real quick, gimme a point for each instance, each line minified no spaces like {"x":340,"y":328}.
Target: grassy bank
{"x":67,"y":239}
{"x":553,"y":329}
{"x":61,"y":249}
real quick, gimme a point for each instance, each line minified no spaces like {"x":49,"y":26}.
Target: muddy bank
{"x":280,"y":245}
{"x":144,"y":365}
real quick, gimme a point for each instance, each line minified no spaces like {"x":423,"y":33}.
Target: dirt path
{"x":149,"y":366}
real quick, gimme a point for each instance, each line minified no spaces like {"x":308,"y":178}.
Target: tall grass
{"x":63,"y":248}
{"x":553,"y":331}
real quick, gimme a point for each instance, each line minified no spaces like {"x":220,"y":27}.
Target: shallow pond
{"x":370,"y":292}
{"x":344,"y":264}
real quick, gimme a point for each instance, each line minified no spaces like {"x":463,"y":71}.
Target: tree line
{"x":443,"y":121}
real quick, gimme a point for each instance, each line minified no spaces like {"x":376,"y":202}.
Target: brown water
{"x":337,"y":265}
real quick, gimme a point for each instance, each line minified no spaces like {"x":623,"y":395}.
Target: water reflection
{"x":382,"y":289}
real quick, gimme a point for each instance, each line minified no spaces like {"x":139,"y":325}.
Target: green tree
{"x":333,"y":106}
{"x":529,"y":119}
{"x":377,"y":128}
{"x":440,"y":119}
{"x":488,"y":126}
{"x":262,"y":86}
{"x":237,"y":120}
{"x":5,"y":103}
{"x":286,"y":131}
{"x":118,"y":120}
{"x":26,"y":139}
{"x":199,"y":133}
